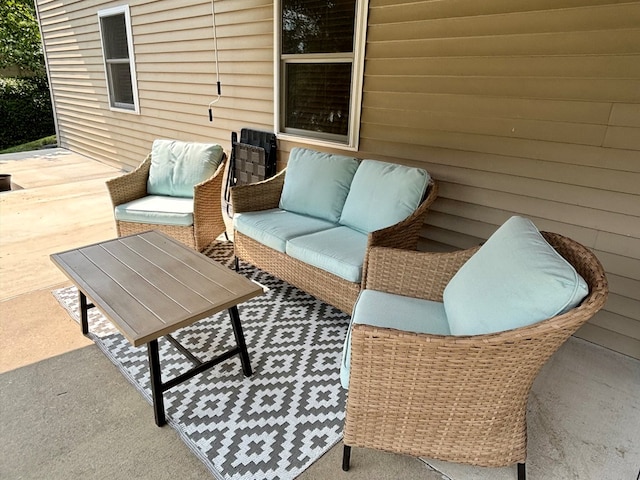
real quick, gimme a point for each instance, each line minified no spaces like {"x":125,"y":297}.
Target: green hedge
{"x":25,"y":110}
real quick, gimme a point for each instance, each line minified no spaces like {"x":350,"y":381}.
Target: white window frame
{"x":357,"y":80}
{"x":113,"y":105}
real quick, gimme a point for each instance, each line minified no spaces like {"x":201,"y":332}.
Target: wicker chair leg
{"x":522,"y":474}
{"x":346,"y":458}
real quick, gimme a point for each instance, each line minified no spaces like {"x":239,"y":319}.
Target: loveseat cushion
{"x":515,"y":279}
{"x":381,"y":309}
{"x":317,"y":183}
{"x":157,"y":209}
{"x":383,"y":194}
{"x":176,"y":167}
{"x":275,"y":226}
{"x":339,"y":251}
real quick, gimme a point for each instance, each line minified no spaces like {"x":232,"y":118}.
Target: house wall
{"x":174,"y":56}
{"x":529,"y":108}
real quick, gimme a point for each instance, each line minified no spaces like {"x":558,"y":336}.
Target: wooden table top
{"x":149,"y":285}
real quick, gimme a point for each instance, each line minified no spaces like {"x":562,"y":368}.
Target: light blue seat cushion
{"x":176,"y":167}
{"x":339,"y":250}
{"x":157,"y":209}
{"x":317,"y":183}
{"x":275,"y":226}
{"x":515,"y":279}
{"x":381,"y":309}
{"x":383,"y":194}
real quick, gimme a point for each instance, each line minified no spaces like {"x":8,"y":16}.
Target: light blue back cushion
{"x":515,"y":279}
{"x":383,"y":194}
{"x":381,"y":309}
{"x":317,"y":183}
{"x":176,"y":167}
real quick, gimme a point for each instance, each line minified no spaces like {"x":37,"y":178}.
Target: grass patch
{"x":34,"y":145}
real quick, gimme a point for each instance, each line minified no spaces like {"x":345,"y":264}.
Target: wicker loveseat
{"x":444,"y":394}
{"x":176,"y":190}
{"x":312,"y":224}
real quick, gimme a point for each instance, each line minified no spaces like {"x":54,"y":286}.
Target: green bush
{"x":25,"y":110}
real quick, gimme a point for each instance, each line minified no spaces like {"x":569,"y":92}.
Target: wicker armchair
{"x":208,"y":223}
{"x":459,"y":399}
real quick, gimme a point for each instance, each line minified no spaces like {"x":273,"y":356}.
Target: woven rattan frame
{"x":460,"y":399}
{"x":207,"y":211}
{"x":323,"y":285}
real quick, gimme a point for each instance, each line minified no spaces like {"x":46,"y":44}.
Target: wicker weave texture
{"x":207,"y":209}
{"x":461,"y":399}
{"x":323,"y":285}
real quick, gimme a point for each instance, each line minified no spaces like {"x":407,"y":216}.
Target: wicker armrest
{"x":258,"y":196}
{"x":412,"y":273}
{"x":130,"y":186}
{"x":206,"y":196}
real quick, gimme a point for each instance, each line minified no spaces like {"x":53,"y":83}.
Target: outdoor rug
{"x":272,"y":425}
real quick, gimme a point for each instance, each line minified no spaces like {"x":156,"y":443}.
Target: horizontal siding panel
{"x":623,"y":245}
{"x":230,"y":68}
{"x":396,"y":10}
{"x":416,"y":140}
{"x":610,"y":339}
{"x":203,"y":55}
{"x":617,"y":323}
{"x":228,"y":90}
{"x":612,"y":42}
{"x":249,"y":80}
{"x":625,"y":115}
{"x":475,"y":165}
{"x":604,"y":17}
{"x":628,"y":267}
{"x":588,"y":66}
{"x":494,"y":217}
{"x":623,"y":306}
{"x":579,"y":133}
{"x":596,"y":89}
{"x":561,"y":212}
{"x":237,"y":44}
{"x":226,"y":35}
{"x":495,"y":107}
{"x":623,"y":137}
{"x":626,"y":287}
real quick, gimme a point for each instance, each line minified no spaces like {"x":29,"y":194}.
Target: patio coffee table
{"x":149,"y":285}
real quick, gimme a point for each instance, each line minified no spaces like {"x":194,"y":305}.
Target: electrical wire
{"x":215,"y":50}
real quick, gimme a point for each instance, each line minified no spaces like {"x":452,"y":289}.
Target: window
{"x":320,"y":58}
{"x":117,"y":50}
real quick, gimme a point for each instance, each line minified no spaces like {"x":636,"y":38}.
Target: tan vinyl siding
{"x":529,"y":108}
{"x":174,"y":58}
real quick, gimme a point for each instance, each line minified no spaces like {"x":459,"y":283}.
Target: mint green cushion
{"x":381,"y":309}
{"x":515,"y":279}
{"x":317,"y":183}
{"x":339,"y":250}
{"x":176,"y":167}
{"x":274,"y":227}
{"x":157,"y":209}
{"x":383,"y":194}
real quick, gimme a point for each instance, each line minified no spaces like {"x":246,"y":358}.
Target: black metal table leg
{"x":156,"y":382}
{"x":237,"y":331}
{"x":84,"y":322}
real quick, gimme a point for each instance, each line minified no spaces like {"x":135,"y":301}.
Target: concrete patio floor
{"x":67,"y":412}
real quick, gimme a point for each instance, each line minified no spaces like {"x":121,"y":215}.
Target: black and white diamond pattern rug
{"x":272,"y":425}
